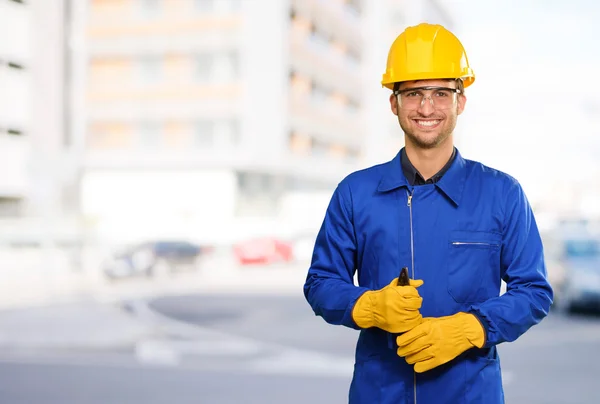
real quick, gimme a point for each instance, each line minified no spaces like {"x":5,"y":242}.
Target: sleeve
{"x":329,"y":286}
{"x":528,"y":294}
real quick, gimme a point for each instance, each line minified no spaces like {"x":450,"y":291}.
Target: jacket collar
{"x":414,"y":177}
{"x":451,"y":184}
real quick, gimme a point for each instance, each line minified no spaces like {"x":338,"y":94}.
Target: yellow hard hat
{"x":427,"y":51}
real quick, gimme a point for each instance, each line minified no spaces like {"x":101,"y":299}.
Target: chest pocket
{"x":473,"y":265}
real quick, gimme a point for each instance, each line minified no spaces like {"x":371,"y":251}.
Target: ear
{"x":394,"y":104}
{"x":462,"y":101}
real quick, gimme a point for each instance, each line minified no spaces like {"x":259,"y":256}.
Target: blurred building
{"x":143,"y":113}
{"x":15,"y":106}
{"x":34,"y":133}
{"x":204,"y":111}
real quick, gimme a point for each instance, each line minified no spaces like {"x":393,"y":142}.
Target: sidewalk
{"x":49,"y":286}
{"x":52,"y":308}
{"x":85,"y":325}
{"x":74,"y":310}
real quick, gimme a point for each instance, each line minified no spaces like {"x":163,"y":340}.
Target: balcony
{"x":315,"y":58}
{"x":329,"y":122}
{"x":173,"y":26}
{"x":181,"y":109}
{"x":334,"y":19}
{"x":159,"y":43}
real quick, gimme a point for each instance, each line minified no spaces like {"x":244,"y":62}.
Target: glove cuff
{"x":362,"y":313}
{"x":473,"y":330}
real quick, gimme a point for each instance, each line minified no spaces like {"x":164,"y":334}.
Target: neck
{"x":429,"y":161}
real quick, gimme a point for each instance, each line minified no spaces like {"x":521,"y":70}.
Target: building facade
{"x":155,"y":113}
{"x":206,"y":111}
{"x":15,"y":106}
{"x":34,"y":125}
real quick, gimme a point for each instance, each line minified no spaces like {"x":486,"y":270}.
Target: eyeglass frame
{"x":431,"y":102}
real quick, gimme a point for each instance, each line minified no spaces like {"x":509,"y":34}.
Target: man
{"x":459,"y":226}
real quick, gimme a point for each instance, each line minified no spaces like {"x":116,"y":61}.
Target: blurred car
{"x":580,"y":286}
{"x":553,"y":256}
{"x":152,"y":258}
{"x":266,"y":250}
{"x":556,"y":275}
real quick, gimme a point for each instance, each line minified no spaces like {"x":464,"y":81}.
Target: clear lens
{"x":414,"y":98}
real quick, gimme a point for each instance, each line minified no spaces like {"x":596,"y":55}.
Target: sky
{"x":534,"y":108}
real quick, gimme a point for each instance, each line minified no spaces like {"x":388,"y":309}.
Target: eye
{"x":443,"y":93}
{"x":412,"y":94}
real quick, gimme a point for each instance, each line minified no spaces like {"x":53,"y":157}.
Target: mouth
{"x":427,"y":123}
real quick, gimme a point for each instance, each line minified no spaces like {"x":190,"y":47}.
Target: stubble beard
{"x":428,"y":143}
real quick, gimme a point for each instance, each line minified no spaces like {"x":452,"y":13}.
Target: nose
{"x":426,"y":107}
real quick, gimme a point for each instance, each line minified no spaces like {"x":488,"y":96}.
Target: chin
{"x":428,"y":142}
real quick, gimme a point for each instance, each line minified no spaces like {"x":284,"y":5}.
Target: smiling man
{"x":460,"y":228}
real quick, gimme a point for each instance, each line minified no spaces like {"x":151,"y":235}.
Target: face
{"x":428,"y":126}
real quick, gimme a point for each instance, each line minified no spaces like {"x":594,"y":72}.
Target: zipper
{"x":412,"y":262}
{"x":412,"y":242}
{"x":474,"y":243}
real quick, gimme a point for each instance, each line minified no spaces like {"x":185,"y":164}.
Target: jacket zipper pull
{"x":409,"y":199}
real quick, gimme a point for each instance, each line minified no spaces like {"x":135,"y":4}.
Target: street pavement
{"x":555,"y":362}
{"x":224,"y":346}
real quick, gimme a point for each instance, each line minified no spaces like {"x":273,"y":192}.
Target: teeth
{"x":428,"y":123}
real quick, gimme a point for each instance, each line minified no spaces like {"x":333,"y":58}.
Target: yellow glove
{"x":394,"y":308}
{"x":439,"y":340}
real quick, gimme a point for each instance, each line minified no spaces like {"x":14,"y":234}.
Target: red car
{"x":263,"y":251}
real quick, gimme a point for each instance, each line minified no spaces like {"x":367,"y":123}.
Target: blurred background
{"x":166,"y":165}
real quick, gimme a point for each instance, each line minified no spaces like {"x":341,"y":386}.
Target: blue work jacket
{"x":461,"y":236}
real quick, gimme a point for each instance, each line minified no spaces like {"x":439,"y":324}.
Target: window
{"x":253,"y":184}
{"x":353,"y":155}
{"x":151,"y":7}
{"x":220,"y":67}
{"x":319,"y":39}
{"x":318,"y":94}
{"x":204,"y":134}
{"x":232,"y":64}
{"x":226,"y":67}
{"x":352,"y":107}
{"x":353,"y":57}
{"x":10,"y":207}
{"x":231,"y":131}
{"x":354,"y":7}
{"x":204,"y":6}
{"x":235,"y":5}
{"x":204,"y":67}
{"x":319,"y":148}
{"x":218,"y":6}
{"x":150,"y":134}
{"x":151,"y":68}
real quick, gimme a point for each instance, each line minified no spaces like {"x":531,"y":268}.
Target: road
{"x":272,"y":349}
